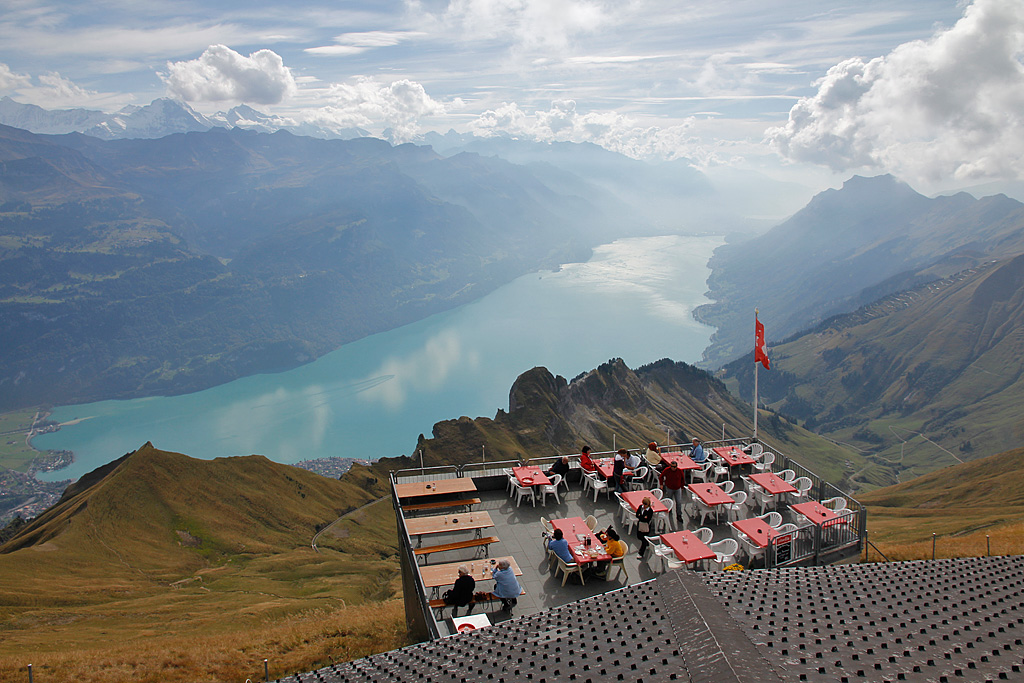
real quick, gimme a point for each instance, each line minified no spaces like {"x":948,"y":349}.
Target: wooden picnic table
{"x":757,"y":530}
{"x":440,"y":524}
{"x":635,"y":498}
{"x":437,"y":487}
{"x":436,"y":575}
{"x":577,"y":542}
{"x":687,"y":547}
{"x":530,"y":475}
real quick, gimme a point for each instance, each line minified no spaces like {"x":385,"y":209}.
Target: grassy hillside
{"x":961,"y":504}
{"x":166,"y":568}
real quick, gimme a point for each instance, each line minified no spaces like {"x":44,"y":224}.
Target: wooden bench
{"x":441,"y":504}
{"x":484,"y":543}
{"x":439,"y":603}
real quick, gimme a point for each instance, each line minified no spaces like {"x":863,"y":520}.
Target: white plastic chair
{"x":764,"y":499}
{"x":511,"y":478}
{"x":591,"y":522}
{"x":756,"y":449}
{"x":704,"y":510}
{"x":666,"y":520}
{"x":737,"y":506}
{"x":803,"y":488}
{"x":835,"y":504}
{"x":787,"y":528}
{"x":786,"y":476}
{"x":551,"y":488}
{"x":725,"y":552}
{"x":658,"y":493}
{"x":704,"y":534}
{"x":523,"y":492}
{"x":749,"y":548}
{"x":546,"y":523}
{"x":569,"y":568}
{"x":705,"y":473}
{"x":638,"y":482}
{"x":619,"y":562}
{"x":721,"y":470}
{"x":596,"y":485}
{"x":728,"y":486}
{"x":764,"y":464}
{"x":772,"y":519}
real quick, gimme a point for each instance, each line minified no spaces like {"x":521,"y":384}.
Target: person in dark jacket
{"x":461,"y":593}
{"x":560,"y":466}
{"x":644,"y":524}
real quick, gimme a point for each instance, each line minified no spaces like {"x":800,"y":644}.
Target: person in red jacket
{"x":671,"y":482}
{"x":585,"y":462}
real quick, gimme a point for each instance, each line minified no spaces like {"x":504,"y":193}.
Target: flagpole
{"x":755,"y":380}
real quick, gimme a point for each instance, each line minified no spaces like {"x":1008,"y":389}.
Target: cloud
{"x":931,"y":109}
{"x":423,"y":370}
{"x":10,"y":80}
{"x":531,"y":24}
{"x":367,"y":102}
{"x":354,"y":43}
{"x":221,"y":74}
{"x":609,"y":129}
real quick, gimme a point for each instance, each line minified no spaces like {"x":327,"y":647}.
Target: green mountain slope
{"x":918,"y":380}
{"x":846,"y":248}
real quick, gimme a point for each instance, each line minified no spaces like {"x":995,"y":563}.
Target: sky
{"x":931,"y":91}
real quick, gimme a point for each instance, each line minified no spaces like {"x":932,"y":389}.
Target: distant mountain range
{"x":846,"y":248}
{"x":136,"y":266}
{"x":919,"y":380}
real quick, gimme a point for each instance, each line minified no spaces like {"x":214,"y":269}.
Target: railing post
{"x":266,"y":666}
{"x":988,"y":546}
{"x":933,"y":546}
{"x":29,"y":673}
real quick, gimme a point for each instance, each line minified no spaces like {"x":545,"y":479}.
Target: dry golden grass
{"x":300,"y":642}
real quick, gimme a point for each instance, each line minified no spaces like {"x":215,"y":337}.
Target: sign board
{"x":783,"y":548}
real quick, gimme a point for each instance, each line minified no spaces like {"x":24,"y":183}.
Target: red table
{"x":680,"y":459}
{"x":772,"y":483}
{"x":635,"y":498}
{"x":757,"y":530}
{"x":710,"y":494}
{"x":533,"y":473}
{"x":576,"y":539}
{"x":733,"y":456}
{"x":688,"y":548}
{"x":818,"y":514}
{"x":606,"y":466}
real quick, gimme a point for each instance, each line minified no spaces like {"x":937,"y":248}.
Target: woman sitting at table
{"x":614,"y":547}
{"x":585,"y":462}
{"x":461,"y":594}
{"x":506,"y":587}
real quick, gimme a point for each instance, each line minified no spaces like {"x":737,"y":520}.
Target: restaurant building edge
{"x":810,"y":544}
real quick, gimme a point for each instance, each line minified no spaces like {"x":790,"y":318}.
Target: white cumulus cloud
{"x":949,"y":106}
{"x":609,"y":129}
{"x":368,"y":103}
{"x":221,"y":74}
{"x":10,"y":80}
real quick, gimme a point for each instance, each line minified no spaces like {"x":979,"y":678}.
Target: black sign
{"x":783,"y":548}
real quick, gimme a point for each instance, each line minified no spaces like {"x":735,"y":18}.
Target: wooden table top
{"x":733,"y":456}
{"x":772,"y":483}
{"x":757,"y":530}
{"x":439,"y":524}
{"x":576,"y":539}
{"x":435,"y":575}
{"x":437,"y":487}
{"x":710,"y":494}
{"x":634,"y":498}
{"x":687,"y":546}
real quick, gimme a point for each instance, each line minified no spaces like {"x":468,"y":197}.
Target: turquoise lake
{"x":634,"y":300}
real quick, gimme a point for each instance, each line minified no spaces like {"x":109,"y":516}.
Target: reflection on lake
{"x":634,"y":299}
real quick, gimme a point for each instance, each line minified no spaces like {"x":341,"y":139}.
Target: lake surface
{"x":633,"y":300}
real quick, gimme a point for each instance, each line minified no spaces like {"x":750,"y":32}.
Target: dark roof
{"x":934,"y":621}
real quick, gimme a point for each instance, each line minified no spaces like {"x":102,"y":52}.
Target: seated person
{"x":697,"y":453}
{"x":560,"y":466}
{"x":585,"y":462}
{"x":633,"y":461}
{"x":560,"y":547}
{"x":653,"y":457}
{"x":461,"y":594}
{"x":618,"y":470}
{"x":506,"y":587}
{"x":614,"y":547}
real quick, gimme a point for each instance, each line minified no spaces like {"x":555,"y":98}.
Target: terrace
{"x":503,"y":525}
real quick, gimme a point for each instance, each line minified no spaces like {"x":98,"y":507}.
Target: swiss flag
{"x":760,"y":350}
